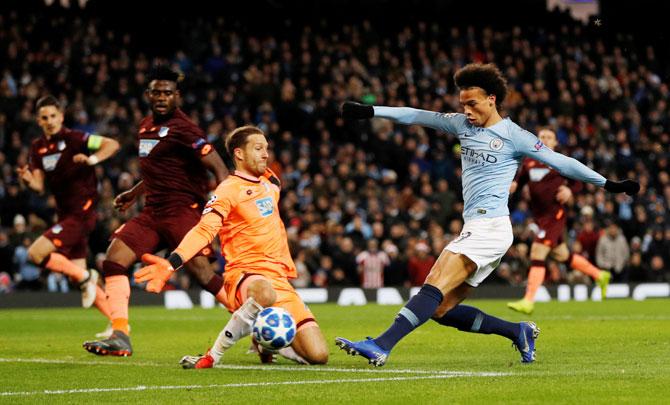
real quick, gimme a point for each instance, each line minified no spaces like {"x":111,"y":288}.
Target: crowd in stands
{"x":368,"y":203}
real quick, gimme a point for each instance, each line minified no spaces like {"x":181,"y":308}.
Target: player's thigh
{"x":40,"y":249}
{"x":310,"y":343}
{"x":453,"y":298}
{"x":259,"y":288}
{"x":119,"y":253}
{"x":539,"y":251}
{"x":133,"y":239}
{"x":561,"y":253}
{"x":450,"y":271}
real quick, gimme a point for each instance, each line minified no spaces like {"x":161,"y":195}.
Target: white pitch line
{"x":243,"y":385}
{"x":121,"y":362}
{"x":310,"y":369}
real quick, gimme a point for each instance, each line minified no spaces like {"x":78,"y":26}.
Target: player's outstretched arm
{"x":403,"y":115}
{"x":103,"y":147}
{"x":528,"y":145}
{"x":158,"y":270}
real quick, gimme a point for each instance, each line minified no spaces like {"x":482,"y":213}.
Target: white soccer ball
{"x":274,"y":328}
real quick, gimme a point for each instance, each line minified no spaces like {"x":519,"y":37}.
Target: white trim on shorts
{"x":484,"y":241}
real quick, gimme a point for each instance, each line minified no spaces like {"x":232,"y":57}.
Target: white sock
{"x":290,"y":354}
{"x":237,"y":327}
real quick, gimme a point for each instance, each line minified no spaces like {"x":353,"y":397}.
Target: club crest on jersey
{"x":496,"y":144}
{"x":61,"y":145}
{"x":538,"y":145}
{"x":49,"y":162}
{"x":57,"y":229}
{"x":162,"y":133}
{"x":265,"y":206}
{"x":146,"y":145}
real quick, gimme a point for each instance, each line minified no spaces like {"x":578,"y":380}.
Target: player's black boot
{"x":116,"y":345}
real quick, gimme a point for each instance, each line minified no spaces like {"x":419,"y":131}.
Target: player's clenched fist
{"x":157,"y":273}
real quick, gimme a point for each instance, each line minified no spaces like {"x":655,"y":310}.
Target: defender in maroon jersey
{"x":174,"y":159}
{"x":63,"y":159}
{"x":549,"y":194}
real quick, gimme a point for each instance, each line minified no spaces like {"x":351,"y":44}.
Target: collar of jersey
{"x":246,"y":177}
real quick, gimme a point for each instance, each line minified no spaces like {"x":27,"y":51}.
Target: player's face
{"x":548,"y":138}
{"x":50,"y":119}
{"x":254,"y":155}
{"x":477,"y":105}
{"x":163,"y":96}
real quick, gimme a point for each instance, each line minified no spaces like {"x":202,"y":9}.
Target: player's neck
{"x":241,"y":172}
{"x":493,"y":119}
{"x":158,"y":118}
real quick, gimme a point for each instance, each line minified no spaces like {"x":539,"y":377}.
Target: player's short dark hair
{"x":165,"y":72}
{"x":485,"y":76}
{"x":238,"y":138}
{"x":47,"y":101}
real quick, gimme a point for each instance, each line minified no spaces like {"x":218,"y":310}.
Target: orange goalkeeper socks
{"x":535,"y":279}
{"x":579,"y":263}
{"x":118,"y":295}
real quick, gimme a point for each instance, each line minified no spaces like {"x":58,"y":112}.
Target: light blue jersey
{"x":490,"y":157}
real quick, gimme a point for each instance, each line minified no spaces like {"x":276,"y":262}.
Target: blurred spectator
{"x":395,"y":273}
{"x":28,"y":275}
{"x":657,"y":272}
{"x":371,"y":263}
{"x":612,"y":252}
{"x":344,"y":183}
{"x":419,"y":264}
{"x":57,"y":282}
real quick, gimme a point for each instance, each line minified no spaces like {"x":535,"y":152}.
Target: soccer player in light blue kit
{"x":492,"y":148}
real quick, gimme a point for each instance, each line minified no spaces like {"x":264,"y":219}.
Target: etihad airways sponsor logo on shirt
{"x":479,"y":157}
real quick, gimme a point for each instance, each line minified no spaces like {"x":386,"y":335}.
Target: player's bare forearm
{"x":108,"y":148}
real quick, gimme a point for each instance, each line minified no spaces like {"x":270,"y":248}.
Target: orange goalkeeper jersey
{"x":244,"y":211}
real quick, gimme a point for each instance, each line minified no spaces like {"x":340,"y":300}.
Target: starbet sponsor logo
{"x":477,"y":157}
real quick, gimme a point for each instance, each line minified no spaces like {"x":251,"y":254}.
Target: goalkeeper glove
{"x":357,"y":111}
{"x":629,"y":187}
{"x":157,"y":273}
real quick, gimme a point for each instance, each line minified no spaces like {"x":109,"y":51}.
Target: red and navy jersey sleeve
{"x":191,"y":136}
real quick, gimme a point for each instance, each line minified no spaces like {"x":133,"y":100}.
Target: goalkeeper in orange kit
{"x":244,"y":212}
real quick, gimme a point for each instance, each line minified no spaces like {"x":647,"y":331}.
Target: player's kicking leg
{"x":449,"y":271}
{"x":470,"y":319}
{"x":259,"y":294}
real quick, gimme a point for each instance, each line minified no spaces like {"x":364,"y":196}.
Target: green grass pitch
{"x":588,"y":352}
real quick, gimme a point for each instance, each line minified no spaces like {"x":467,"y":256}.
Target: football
{"x":274,"y":328}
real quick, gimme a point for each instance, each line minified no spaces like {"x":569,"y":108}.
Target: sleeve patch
{"x":94,"y":142}
{"x":197,"y":144}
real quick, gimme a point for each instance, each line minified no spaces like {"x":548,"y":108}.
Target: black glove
{"x":629,"y":187}
{"x":357,"y":111}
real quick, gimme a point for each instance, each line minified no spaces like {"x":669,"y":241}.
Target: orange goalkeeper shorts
{"x":287,"y":297}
